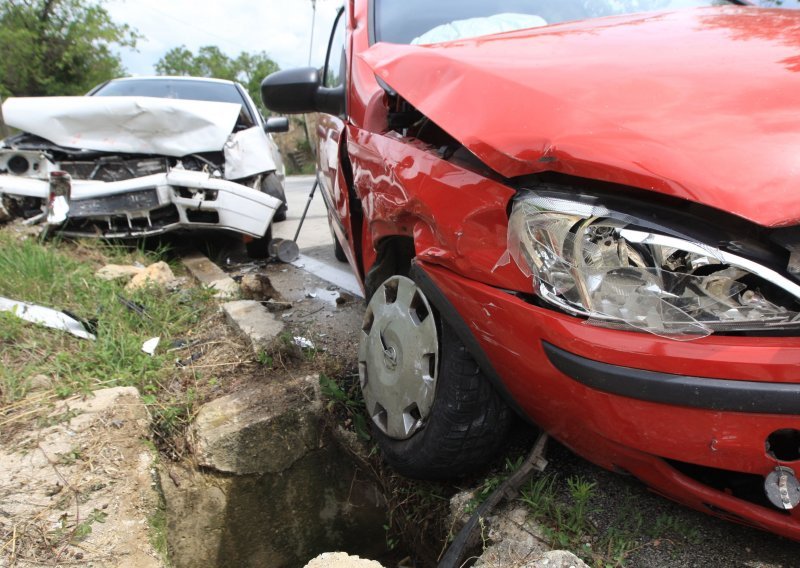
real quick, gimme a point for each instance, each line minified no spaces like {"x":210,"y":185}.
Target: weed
{"x":70,"y":457}
{"x":667,"y":525}
{"x":564,"y":517}
{"x":391,"y":542}
{"x":349,"y":402}
{"x":493,"y":482}
{"x":565,"y":512}
{"x":79,"y":531}
{"x":84,"y":528}
{"x":264,"y":359}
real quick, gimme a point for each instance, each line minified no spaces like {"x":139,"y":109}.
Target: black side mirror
{"x":276,"y":124}
{"x":300,"y":90}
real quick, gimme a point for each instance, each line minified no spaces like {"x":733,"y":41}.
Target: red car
{"x":587,"y":212}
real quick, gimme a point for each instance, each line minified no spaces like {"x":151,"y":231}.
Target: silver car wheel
{"x":397,"y":358}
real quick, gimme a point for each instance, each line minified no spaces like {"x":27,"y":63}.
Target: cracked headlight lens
{"x":589,"y":261}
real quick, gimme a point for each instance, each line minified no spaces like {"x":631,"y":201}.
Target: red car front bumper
{"x":678,"y":415}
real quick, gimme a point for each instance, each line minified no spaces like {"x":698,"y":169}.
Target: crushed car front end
{"x":611,"y":233}
{"x":126,"y":179}
{"x":615,"y":257}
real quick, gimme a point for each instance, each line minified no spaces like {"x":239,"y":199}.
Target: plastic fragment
{"x":150,"y":345}
{"x":303,"y":342}
{"x":47,"y":317}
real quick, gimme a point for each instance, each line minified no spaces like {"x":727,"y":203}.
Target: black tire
{"x":467,"y":426}
{"x":271,"y":185}
{"x":259,"y":248}
{"x":338,"y":250}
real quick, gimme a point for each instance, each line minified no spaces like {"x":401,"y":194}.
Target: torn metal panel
{"x":457,"y":217}
{"x":132,"y":125}
{"x":566,"y":102}
{"x":248,"y":153}
{"x":47,"y":317}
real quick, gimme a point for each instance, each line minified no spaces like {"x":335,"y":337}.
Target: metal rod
{"x":305,"y":211}
{"x":506,"y":490}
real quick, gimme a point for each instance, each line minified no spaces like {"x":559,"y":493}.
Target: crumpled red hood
{"x":701,"y":104}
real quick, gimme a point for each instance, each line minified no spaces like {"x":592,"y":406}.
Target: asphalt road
{"x":315,"y":241}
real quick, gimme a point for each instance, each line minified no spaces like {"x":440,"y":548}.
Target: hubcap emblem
{"x":390,"y":358}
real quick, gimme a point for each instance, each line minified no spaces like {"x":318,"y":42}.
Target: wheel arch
{"x":396,"y":255}
{"x":447,"y":311}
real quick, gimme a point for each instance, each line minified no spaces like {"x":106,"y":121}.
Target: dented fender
{"x":405,"y":188}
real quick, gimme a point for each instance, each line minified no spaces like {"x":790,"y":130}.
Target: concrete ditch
{"x":271,"y":486}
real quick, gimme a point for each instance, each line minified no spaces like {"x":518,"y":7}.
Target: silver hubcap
{"x":397,"y":358}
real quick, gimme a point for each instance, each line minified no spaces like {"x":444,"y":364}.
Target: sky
{"x":282,"y":28}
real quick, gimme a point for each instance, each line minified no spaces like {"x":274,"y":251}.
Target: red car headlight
{"x":592,"y":262}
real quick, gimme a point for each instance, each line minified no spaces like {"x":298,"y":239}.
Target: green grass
{"x":568,"y":513}
{"x":61,"y":276}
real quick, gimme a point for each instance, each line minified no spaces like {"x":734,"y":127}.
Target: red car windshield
{"x":423,"y":21}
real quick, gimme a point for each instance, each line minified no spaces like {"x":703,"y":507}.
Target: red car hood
{"x":701,"y":104}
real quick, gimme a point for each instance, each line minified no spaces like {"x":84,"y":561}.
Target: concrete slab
{"x":254,"y":321}
{"x":211,"y":275}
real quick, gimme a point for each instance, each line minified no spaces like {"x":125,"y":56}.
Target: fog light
{"x":782,"y":488}
{"x":18,"y":165}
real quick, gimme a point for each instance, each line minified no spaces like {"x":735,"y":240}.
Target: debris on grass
{"x":303,"y":342}
{"x":151,"y":345}
{"x":47,"y":317}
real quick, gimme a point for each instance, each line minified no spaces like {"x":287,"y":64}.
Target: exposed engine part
{"x":115,"y":168}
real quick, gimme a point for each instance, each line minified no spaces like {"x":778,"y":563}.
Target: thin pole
{"x":305,"y":211}
{"x":313,"y":21}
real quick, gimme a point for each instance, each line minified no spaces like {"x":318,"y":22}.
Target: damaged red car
{"x":586,"y":212}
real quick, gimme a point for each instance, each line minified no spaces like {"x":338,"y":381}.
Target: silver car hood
{"x":131,"y":125}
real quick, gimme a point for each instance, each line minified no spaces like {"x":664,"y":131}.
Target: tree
{"x":247,"y":68}
{"x":58,"y":47}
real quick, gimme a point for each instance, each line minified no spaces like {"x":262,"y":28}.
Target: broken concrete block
{"x":261,"y":429}
{"x":211,"y":275}
{"x":514,"y":540}
{"x":258,"y":287}
{"x":275,"y":490}
{"x":254,"y":321}
{"x":559,"y":559}
{"x":118,"y":272}
{"x":341,"y":560}
{"x":158,"y":273}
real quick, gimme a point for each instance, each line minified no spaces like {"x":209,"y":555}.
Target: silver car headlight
{"x":600,"y":264}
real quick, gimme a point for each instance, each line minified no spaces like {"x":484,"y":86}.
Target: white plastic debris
{"x":150,"y":345}
{"x":303,"y":343}
{"x":47,"y":317}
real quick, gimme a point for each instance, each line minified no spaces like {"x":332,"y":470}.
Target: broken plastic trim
{"x":47,"y":317}
{"x":590,"y":261}
{"x":58,"y":198}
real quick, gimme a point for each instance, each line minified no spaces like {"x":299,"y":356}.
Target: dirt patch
{"x":79,"y":488}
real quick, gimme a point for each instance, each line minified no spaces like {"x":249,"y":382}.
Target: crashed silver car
{"x":144,"y":156}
